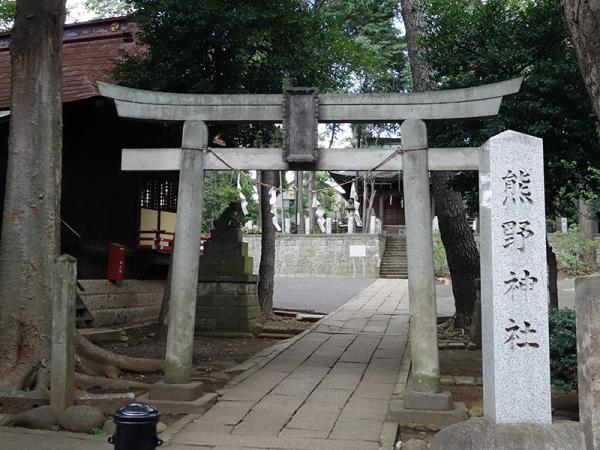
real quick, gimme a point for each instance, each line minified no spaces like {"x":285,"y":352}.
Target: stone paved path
{"x":330,"y":389}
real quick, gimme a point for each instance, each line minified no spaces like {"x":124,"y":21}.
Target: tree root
{"x":450,"y":330}
{"x":31,"y":372}
{"x":93,"y":368}
{"x":83,"y":381}
{"x":23,"y":375}
{"x":89,"y":352}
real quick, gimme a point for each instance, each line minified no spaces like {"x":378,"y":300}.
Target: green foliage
{"x":98,"y":431}
{"x":377,"y":51}
{"x":563,"y":349}
{"x":220,"y":189}
{"x":327,"y":195}
{"x":108,"y":8}
{"x":233,"y":46}
{"x":471,"y":42}
{"x":570,"y":249}
{"x":439,"y":255}
{"x":8,"y":9}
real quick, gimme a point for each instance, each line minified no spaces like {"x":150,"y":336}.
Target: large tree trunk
{"x":266,"y":270}
{"x":461,"y":252}
{"x":311,"y":196}
{"x":31,"y":217}
{"x":586,"y":227}
{"x":413,"y":15}
{"x":300,"y":202}
{"x":552,"y":275}
{"x":583,"y":21}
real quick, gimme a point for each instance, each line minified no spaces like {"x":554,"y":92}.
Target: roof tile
{"x":89,"y":50}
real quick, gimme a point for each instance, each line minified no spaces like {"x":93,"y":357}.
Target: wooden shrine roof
{"x":89,"y":49}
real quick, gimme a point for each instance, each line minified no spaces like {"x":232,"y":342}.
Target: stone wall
{"x":320,"y":255}
{"x":228,"y":306}
{"x":136,"y":301}
{"x":124,"y":302}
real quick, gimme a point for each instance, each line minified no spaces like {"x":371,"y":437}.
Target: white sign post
{"x":358,"y":251}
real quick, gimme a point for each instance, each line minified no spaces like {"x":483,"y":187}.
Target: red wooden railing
{"x":160,"y":243}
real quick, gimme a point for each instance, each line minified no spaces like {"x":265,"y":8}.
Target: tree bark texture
{"x":31,"y":218}
{"x":413,"y":15}
{"x":461,"y":251}
{"x":583,"y":22}
{"x":586,"y":227}
{"x":552,"y":275}
{"x":311,"y":196}
{"x":300,"y":200}
{"x":93,"y":354}
{"x":266,"y":270}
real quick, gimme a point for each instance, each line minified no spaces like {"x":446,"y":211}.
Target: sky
{"x":77,"y":11}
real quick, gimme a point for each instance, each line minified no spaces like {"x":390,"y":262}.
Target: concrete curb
{"x":461,"y":380}
{"x":172,"y":430}
{"x":388,"y":436}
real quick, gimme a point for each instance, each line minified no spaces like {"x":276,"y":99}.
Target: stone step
{"x":394,"y":262}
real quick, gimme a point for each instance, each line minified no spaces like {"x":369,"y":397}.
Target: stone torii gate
{"x":300,"y":110}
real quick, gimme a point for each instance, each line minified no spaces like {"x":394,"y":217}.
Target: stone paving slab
{"x":328,"y":389}
{"x":192,"y":441}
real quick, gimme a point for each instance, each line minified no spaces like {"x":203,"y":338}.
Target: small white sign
{"x":564,"y":227}
{"x":358,"y":251}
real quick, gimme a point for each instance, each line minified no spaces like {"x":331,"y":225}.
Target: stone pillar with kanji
{"x":514,"y":286}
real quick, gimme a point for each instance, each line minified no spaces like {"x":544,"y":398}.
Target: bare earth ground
{"x":212,"y":355}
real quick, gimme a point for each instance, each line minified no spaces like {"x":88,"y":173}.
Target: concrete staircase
{"x":394,"y":263}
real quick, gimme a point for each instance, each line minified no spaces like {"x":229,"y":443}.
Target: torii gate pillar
{"x":186,"y":256}
{"x":419,"y":249}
